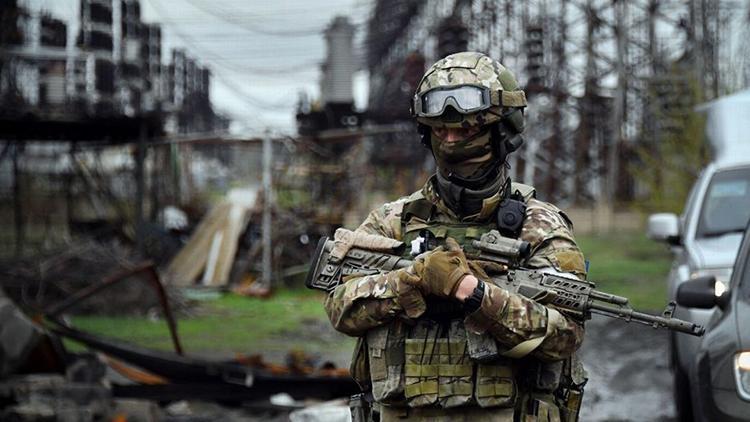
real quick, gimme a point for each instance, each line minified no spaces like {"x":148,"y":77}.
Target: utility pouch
{"x":548,"y":376}
{"x":385,"y":350}
{"x":495,"y":384}
{"x":360,"y":406}
{"x":359,"y":368}
{"x":540,"y":408}
{"x":570,"y":393}
{"x":571,"y":406}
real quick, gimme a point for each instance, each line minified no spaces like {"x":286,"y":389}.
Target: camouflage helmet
{"x":502,"y":100}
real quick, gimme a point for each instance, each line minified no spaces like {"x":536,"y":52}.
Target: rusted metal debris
{"x":158,"y":375}
{"x":152,"y":278}
{"x":195,"y":378}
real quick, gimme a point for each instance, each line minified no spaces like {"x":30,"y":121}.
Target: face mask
{"x":466,"y":158}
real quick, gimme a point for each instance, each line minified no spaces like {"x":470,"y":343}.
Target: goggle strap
{"x":496,"y":98}
{"x":511,"y":98}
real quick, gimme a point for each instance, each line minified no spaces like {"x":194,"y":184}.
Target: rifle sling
{"x":524,"y":348}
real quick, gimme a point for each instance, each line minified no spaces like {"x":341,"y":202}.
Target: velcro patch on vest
{"x":501,"y":389}
{"x":455,"y":389}
{"x":570,"y":262}
{"x":425,"y":370}
{"x":421,"y":388}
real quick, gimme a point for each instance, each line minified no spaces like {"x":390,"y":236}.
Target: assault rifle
{"x":577,"y":298}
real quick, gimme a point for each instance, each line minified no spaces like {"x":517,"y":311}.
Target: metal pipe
{"x":267,"y":198}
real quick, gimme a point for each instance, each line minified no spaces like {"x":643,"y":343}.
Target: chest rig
{"x":430,"y":364}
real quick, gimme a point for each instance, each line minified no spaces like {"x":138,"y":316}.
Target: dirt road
{"x":628,"y":375}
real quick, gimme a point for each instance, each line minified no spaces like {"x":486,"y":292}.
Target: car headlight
{"x":722,"y":278}
{"x":742,"y":374}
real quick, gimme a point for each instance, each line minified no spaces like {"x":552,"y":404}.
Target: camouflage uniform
{"x":416,"y":351}
{"x":364,"y":304}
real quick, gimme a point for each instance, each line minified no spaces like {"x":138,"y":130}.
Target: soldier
{"x":413,"y":324}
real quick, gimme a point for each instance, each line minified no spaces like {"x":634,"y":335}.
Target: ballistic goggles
{"x":466,"y":99}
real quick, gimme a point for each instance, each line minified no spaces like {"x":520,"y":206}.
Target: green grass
{"x":289,"y":319}
{"x":630,"y":265}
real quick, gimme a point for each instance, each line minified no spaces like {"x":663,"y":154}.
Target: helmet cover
{"x":473,"y":69}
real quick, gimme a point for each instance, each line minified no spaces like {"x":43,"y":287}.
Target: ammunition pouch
{"x":495,"y":385}
{"x":429,"y":365}
{"x":438,"y":369}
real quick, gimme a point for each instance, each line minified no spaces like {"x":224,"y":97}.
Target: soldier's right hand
{"x":441,"y":270}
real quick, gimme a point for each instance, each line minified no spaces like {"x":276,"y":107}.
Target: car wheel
{"x":683,"y":404}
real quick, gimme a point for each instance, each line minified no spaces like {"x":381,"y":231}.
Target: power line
{"x":278,"y":10}
{"x":224,"y":61}
{"x":239,"y":93}
{"x":249,"y":99}
{"x":282,"y":70}
{"x":241,"y":23}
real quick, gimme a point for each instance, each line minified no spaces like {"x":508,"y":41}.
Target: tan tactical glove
{"x":441,"y":270}
{"x":483,"y":270}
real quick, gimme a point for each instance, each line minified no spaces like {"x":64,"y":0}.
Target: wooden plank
{"x":213,"y":258}
{"x":187,"y":265}
{"x":236,"y":223}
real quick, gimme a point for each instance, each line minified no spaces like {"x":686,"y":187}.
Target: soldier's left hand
{"x":485,"y":269}
{"x":441,"y":270}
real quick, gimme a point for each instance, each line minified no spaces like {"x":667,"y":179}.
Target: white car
{"x":705,"y":240}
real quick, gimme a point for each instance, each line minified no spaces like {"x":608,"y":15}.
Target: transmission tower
{"x":595,"y":72}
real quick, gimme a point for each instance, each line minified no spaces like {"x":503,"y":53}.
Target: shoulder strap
{"x":522,"y":191}
{"x":420,"y":208}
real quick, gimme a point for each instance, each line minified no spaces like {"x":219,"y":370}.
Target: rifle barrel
{"x":607,"y":297}
{"x":655,"y":321}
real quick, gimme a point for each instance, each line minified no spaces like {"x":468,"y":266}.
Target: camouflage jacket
{"x":364,"y":303}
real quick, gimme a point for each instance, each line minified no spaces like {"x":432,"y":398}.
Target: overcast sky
{"x":261,"y":53}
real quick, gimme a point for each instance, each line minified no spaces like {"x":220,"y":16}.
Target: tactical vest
{"x":428,"y":364}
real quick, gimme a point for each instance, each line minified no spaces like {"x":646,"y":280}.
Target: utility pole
{"x":618,"y":109}
{"x":140,"y":185}
{"x":17,"y":201}
{"x":267,"y":198}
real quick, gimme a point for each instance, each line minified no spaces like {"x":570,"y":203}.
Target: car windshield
{"x":726,"y":206}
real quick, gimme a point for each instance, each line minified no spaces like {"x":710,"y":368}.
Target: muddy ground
{"x":629,"y":379}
